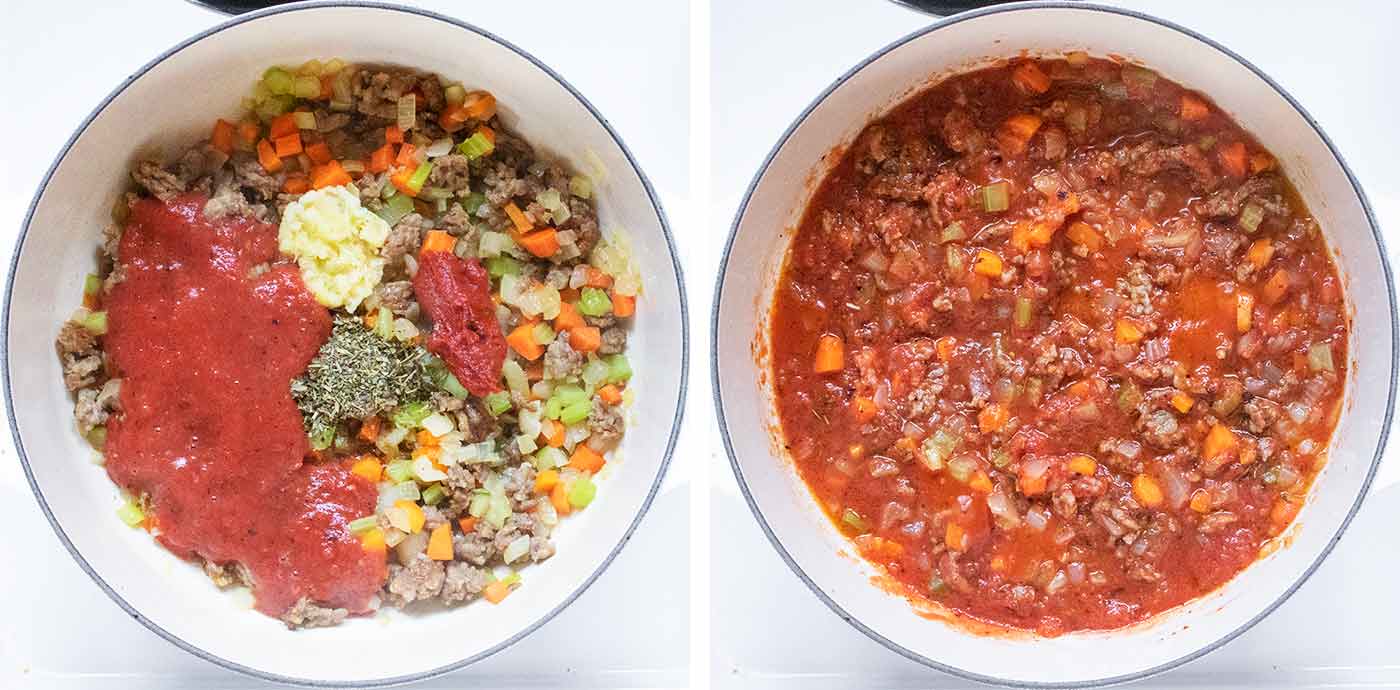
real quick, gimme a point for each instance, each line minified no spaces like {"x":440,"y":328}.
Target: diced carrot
{"x":382,"y":158}
{"x":488,"y":133}
{"x":545,"y":481}
{"x":1283,"y":513}
{"x":1032,"y":486}
{"x":1193,"y":109}
{"x":1085,"y":236}
{"x":993,"y":417}
{"x":1147,"y":491}
{"x":440,"y":543}
{"x":1016,"y":132}
{"x":624,"y":305}
{"x":289,"y":145}
{"x":1244,"y":311}
{"x":522,"y":340}
{"x":863,"y":408}
{"x":998,"y":564}
{"x":987,"y":264}
{"x":319,"y":153}
{"x":248,"y":131}
{"x":496,"y":591}
{"x":1127,"y":331}
{"x":568,"y":318}
{"x":570,"y":295}
{"x":1182,"y":402}
{"x":401,"y":178}
{"x":426,"y":439}
{"x":553,"y":433}
{"x":373,"y":540}
{"x":282,"y":125}
{"x":1030,"y":77}
{"x":586,"y":459}
{"x":369,"y":429}
{"x":542,"y":243}
{"x":406,"y":157}
{"x":585,"y":338}
{"x":467,"y":524}
{"x":596,"y":278}
{"x":222,"y":136}
{"x":1232,"y":159}
{"x":1260,"y":251}
{"x":415,"y":514}
{"x":831,"y":354}
{"x":1260,"y":162}
{"x":1082,"y":464}
{"x":878,"y":548}
{"x":522,"y":224}
{"x":610,"y":394}
{"x":393,"y":135}
{"x":329,"y":175}
{"x":453,"y":117}
{"x":368,"y":467}
{"x":1200,"y":501}
{"x":955,"y":537}
{"x":295,"y":184}
{"x":1276,"y":287}
{"x":981,"y":482}
{"x":559,"y":498}
{"x":268,"y":157}
{"x":1219,"y":440}
{"x":480,"y":105}
{"x":438,"y":241}
{"x":945,"y":347}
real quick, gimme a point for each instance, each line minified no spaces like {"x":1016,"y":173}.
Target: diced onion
{"x":440,"y":147}
{"x":424,"y":471}
{"x":517,"y":548}
{"x":1036,"y":519}
{"x":438,"y":424}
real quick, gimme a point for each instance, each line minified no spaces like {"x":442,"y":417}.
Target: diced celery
{"x":97,"y":437}
{"x":453,"y":386}
{"x":619,"y":370}
{"x":96,"y":322}
{"x":999,"y":458}
{"x":526,"y":444}
{"x":304,"y":119}
{"x":493,"y":244}
{"x":476,"y":146}
{"x":454,"y":94}
{"x":471,"y":203}
{"x":1023,"y":312}
{"x":576,"y":412}
{"x":434,"y":494}
{"x":498,"y":510}
{"x":364,"y":524}
{"x":595,"y":372}
{"x":854,"y":520}
{"x":420,"y":176}
{"x":399,"y":471}
{"x":550,"y":457}
{"x":962,"y":467}
{"x":306,"y":86}
{"x":274,"y":106}
{"x":497,"y":403}
{"x":996,"y":197}
{"x":279,"y":81}
{"x":396,"y":208}
{"x":435,"y":194}
{"x":130,"y":513}
{"x":1251,"y":217}
{"x":502,"y":265}
{"x":409,"y":416}
{"x":594,"y":302}
{"x":580,"y":186}
{"x":953,"y":232}
{"x":92,"y":284}
{"x":515,"y":377}
{"x":582,"y":491}
{"x":543,"y":333}
{"x":322,"y":438}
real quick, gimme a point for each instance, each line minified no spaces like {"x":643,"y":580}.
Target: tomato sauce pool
{"x":206,"y":349}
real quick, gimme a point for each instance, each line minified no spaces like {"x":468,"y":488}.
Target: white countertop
{"x":1337,"y":58}
{"x":57,"y":630}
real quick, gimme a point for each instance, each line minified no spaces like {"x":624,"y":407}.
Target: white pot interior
{"x":764,"y":229}
{"x":173,"y":104}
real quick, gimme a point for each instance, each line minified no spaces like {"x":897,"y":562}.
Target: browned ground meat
{"x":157,"y":182}
{"x":308,"y":615}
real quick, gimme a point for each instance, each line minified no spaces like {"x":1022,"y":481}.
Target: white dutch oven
{"x":169,"y":104}
{"x":762,"y":231}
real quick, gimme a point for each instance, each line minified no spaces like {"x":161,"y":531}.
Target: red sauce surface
{"x":995,"y":523}
{"x":456,"y":295}
{"x":209,"y":430}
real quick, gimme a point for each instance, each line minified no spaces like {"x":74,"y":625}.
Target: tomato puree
{"x":206,"y":351}
{"x":456,"y":295}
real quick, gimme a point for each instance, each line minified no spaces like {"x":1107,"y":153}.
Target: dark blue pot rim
{"x":395,"y":680}
{"x":719,"y":401}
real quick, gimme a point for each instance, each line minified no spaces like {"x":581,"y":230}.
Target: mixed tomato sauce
{"x":1058,"y":345}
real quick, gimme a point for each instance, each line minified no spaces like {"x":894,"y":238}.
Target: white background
{"x":57,"y":630}
{"x":771,"y":58}
{"x":700,"y":94}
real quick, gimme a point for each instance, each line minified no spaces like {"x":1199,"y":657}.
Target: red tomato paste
{"x":206,"y":352}
{"x":456,"y":294}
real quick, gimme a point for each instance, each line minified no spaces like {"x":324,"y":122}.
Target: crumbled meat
{"x":420,"y":579}
{"x":1149,"y":159}
{"x":229,"y":575}
{"x":74,"y":339}
{"x":403,"y":239}
{"x":252,"y":178}
{"x":94,"y":406}
{"x":605,"y":425}
{"x":157,"y":181}
{"x":961,"y":134}
{"x":451,"y":172}
{"x":474,"y":548}
{"x":1262,"y":414}
{"x":397,"y":297}
{"x":561,"y":361}
{"x":80,"y":372}
{"x":305,"y":614}
{"x":614,"y":341}
{"x":462,"y":582}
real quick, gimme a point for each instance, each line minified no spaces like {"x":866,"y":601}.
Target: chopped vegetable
{"x":1147,"y":491}
{"x":1244,"y":311}
{"x":993,"y":418}
{"x":1219,"y":440}
{"x":329,"y":175}
{"x":1031,"y":78}
{"x":581,"y":492}
{"x":585,"y":459}
{"x":619,"y":370}
{"x":853,"y":520}
{"x":542,"y":243}
{"x":438,"y":241}
{"x":624,"y":306}
{"x":440,"y":543}
{"x":268,"y":157}
{"x":1015,"y":134}
{"x":585,"y":339}
{"x":1193,"y":109}
{"x":221,"y":139}
{"x":522,"y":340}
{"x":497,"y":403}
{"x":594,"y":302}
{"x":1127,"y":331}
{"x":1232,"y":159}
{"x":987,"y":263}
{"x":830,"y":354}
{"x":368,"y":467}
{"x":996,"y":197}
{"x":1251,"y":217}
{"x":1320,"y":357}
{"x":1082,"y":465}
{"x":131,"y":513}
{"x":476,"y":146}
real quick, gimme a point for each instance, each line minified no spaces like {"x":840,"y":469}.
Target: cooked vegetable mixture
{"x":360,"y":346}
{"x":1058,"y":346}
